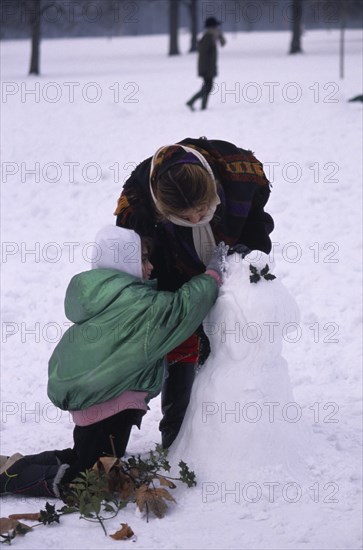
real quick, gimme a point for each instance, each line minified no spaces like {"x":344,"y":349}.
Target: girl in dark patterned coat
{"x":189,"y":197}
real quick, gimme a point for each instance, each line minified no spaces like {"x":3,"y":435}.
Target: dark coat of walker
{"x":207,"y":60}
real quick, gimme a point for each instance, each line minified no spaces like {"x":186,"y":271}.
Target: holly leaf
{"x":253,"y":269}
{"x":124,"y":533}
{"x":163,"y":453}
{"x":49,"y":515}
{"x":265,"y":270}
{"x":254,"y":278}
{"x":269,"y":277}
{"x":187,"y":476}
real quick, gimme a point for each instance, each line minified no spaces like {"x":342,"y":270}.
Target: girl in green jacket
{"x":110,"y":363}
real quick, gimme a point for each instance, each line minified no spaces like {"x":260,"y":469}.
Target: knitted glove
{"x":239,"y":249}
{"x":218,"y":260}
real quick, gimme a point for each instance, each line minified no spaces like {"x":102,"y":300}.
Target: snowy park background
{"x":100,"y":107}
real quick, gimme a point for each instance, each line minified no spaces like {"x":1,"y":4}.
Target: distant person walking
{"x":207,"y":61}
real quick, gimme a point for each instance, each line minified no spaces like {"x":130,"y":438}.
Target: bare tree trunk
{"x":193,"y":25}
{"x":35,"y":6}
{"x":343,"y":14}
{"x":173,"y":26}
{"x":295,"y":46}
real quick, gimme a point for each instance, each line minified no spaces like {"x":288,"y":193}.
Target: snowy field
{"x":69,"y":139}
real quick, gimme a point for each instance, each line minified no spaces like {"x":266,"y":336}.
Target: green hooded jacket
{"x":122,"y":330}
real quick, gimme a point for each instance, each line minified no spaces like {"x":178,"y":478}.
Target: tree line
{"x":35,"y":10}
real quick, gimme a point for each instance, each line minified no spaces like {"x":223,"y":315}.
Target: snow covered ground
{"x":69,"y":139}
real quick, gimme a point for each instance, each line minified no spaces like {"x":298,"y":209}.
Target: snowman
{"x":241,"y":419}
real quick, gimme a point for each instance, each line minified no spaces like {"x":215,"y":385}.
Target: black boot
{"x":175,"y":398}
{"x":193,"y":99}
{"x":206,"y":90}
{"x":190,"y":105}
{"x":204,"y":99}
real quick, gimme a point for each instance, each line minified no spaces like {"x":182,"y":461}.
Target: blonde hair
{"x":183,"y":186}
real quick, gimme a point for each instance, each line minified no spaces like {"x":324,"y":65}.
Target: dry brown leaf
{"x":166,"y":482}
{"x":7,"y":524}
{"x":127,"y":490}
{"x":124,"y":533}
{"x":153,"y":499}
{"x":164,"y":494}
{"x":30,"y":516}
{"x":105,"y":463}
{"x":141,"y":497}
{"x":158,"y":507}
{"x":135,"y":472}
{"x":126,"y":486}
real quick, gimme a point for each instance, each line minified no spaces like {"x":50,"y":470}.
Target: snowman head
{"x":253,"y":311}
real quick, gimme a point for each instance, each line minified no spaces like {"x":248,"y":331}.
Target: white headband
{"x":210,"y":213}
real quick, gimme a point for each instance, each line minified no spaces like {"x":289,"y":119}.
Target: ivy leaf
{"x":87,"y":511}
{"x":109,"y":507}
{"x":68,"y":509}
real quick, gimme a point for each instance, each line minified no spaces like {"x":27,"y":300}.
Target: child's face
{"x":147,"y":266}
